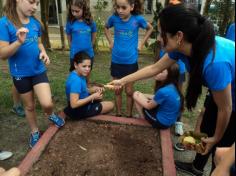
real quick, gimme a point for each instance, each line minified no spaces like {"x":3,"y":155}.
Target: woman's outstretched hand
{"x":118,"y":84}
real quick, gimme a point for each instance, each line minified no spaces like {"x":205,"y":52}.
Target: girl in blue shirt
{"x":83,"y":103}
{"x":162,"y":109}
{"x":210,"y":60}
{"x":20,"y":43}
{"x":126,"y":22}
{"x":81,"y":29}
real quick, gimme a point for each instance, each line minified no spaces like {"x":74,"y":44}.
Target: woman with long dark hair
{"x":211,"y":62}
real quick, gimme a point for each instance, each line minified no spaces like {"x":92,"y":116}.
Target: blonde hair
{"x":10,"y":12}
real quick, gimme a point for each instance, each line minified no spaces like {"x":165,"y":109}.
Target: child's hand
{"x":97,"y":96}
{"x":44,"y":57}
{"x":98,"y":89}
{"x":21,"y":34}
{"x":111,"y":45}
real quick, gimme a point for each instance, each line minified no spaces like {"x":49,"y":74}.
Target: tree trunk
{"x":206,"y":7}
{"x":59,"y":8}
{"x":44,"y":18}
{"x":1,"y":8}
{"x":166,"y":2}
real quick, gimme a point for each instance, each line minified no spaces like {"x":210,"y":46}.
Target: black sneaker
{"x":188,"y":168}
{"x":179,"y":147}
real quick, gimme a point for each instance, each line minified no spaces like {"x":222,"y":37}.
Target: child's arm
{"x":43,"y":55}
{"x":69,"y":40}
{"x":75,"y":102}
{"x":144,"y":100}
{"x":109,"y":37}
{"x":147,"y":35}
{"x":94,"y":35}
{"x":7,"y":50}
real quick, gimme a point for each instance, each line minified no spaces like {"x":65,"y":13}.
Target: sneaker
{"x":58,"y":121}
{"x":188,"y":168}
{"x":179,"y":147}
{"x":34,"y":138}
{"x":18,"y":110}
{"x":179,"y":128}
{"x":5,"y":155}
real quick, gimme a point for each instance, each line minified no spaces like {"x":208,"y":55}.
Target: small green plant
{"x":100,"y":6}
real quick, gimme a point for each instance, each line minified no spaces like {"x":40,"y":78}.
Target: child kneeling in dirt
{"x":82,"y":103}
{"x":163,"y":108}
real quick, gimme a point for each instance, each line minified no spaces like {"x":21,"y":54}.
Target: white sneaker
{"x":179,"y":128}
{"x":5,"y":155}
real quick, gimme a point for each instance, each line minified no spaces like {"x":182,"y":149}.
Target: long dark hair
{"x":79,"y":58}
{"x":82,"y":4}
{"x":172,"y":78}
{"x":198,"y":31}
{"x":9,"y":10}
{"x":138,"y":6}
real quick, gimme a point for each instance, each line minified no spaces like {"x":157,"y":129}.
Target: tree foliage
{"x":100,"y":6}
{"x":222,"y":13}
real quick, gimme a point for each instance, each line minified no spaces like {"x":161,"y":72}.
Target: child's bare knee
{"x":30,"y":108}
{"x":48,"y":106}
{"x":129,"y":92}
{"x":135,"y":94}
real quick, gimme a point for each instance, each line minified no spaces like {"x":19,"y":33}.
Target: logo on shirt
{"x":84,"y":31}
{"x":31,"y":39}
{"x":123,"y":33}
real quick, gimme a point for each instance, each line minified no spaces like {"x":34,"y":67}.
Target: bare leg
{"x":129,"y":89}
{"x":29,"y":104}
{"x":107,"y":106}
{"x":43,"y":92}
{"x":138,"y":106}
{"x":15,"y":97}
{"x":118,"y":100}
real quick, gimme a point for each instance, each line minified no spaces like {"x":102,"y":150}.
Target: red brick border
{"x":37,"y":150}
{"x":166,"y":144}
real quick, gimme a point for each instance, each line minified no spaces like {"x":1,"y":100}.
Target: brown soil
{"x":96,"y":149}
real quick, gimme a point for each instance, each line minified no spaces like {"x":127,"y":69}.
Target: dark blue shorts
{"x":86,"y":111}
{"x":150,"y":116}
{"x":122,"y":70}
{"x":26,"y":84}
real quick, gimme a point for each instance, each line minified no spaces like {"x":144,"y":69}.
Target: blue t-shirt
{"x":125,"y":50}
{"x":25,"y":62}
{"x":182,"y":68}
{"x":81,"y":34}
{"x":230,"y":34}
{"x":169,"y":103}
{"x":219,"y":72}
{"x":76,"y":84}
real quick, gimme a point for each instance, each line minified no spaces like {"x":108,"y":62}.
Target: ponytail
{"x":199,"y":32}
{"x":202,"y":45}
